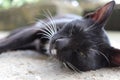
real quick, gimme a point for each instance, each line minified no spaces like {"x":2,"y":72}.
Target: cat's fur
{"x":81,"y":44}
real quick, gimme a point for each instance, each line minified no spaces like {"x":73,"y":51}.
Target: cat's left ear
{"x":101,"y":15}
{"x":114,"y":57}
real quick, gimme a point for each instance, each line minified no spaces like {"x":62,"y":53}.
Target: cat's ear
{"x":101,"y":14}
{"x":114,"y":57}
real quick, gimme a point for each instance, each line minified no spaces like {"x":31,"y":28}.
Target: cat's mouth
{"x":53,"y":51}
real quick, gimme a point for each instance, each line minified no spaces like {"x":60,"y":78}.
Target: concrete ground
{"x":29,"y":65}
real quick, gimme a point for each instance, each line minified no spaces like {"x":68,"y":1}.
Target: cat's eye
{"x":80,"y":53}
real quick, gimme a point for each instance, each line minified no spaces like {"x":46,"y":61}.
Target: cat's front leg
{"x":19,"y":39}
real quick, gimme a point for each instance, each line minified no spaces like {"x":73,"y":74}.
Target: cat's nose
{"x":61,"y":43}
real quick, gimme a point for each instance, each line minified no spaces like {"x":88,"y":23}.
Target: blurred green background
{"x":20,"y":13}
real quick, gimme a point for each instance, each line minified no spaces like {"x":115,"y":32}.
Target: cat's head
{"x":82,"y":43}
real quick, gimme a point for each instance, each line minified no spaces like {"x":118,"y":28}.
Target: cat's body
{"x":81,"y":44}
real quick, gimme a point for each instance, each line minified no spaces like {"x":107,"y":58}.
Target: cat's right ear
{"x":101,"y":15}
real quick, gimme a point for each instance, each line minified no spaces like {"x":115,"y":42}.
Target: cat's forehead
{"x":79,"y":23}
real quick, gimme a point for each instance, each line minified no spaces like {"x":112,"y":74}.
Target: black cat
{"x":81,"y":44}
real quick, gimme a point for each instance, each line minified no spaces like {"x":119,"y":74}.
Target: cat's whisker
{"x":46,"y":32}
{"x":105,"y":56}
{"x":80,"y":29}
{"x":99,"y":52}
{"x":72,"y":67}
{"x":50,"y":28}
{"x":71,"y":31}
{"x":54,"y":25}
{"x":65,"y":65}
{"x":100,"y":44}
{"x":90,"y":27}
{"x":49,"y":16}
{"x":45,"y":35}
{"x":46,"y":26}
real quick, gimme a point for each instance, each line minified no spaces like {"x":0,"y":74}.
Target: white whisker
{"x":99,"y":52}
{"x":72,"y":67}
{"x":44,"y":35}
{"x":65,"y":65}
{"x":71,"y":31}
{"x":54,"y":25}
{"x":45,"y":32}
{"x":105,"y":57}
{"x":90,"y":27}
{"x":49,"y":16}
{"x":47,"y":27}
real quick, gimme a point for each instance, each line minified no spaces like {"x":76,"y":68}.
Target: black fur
{"x":80,"y":43}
